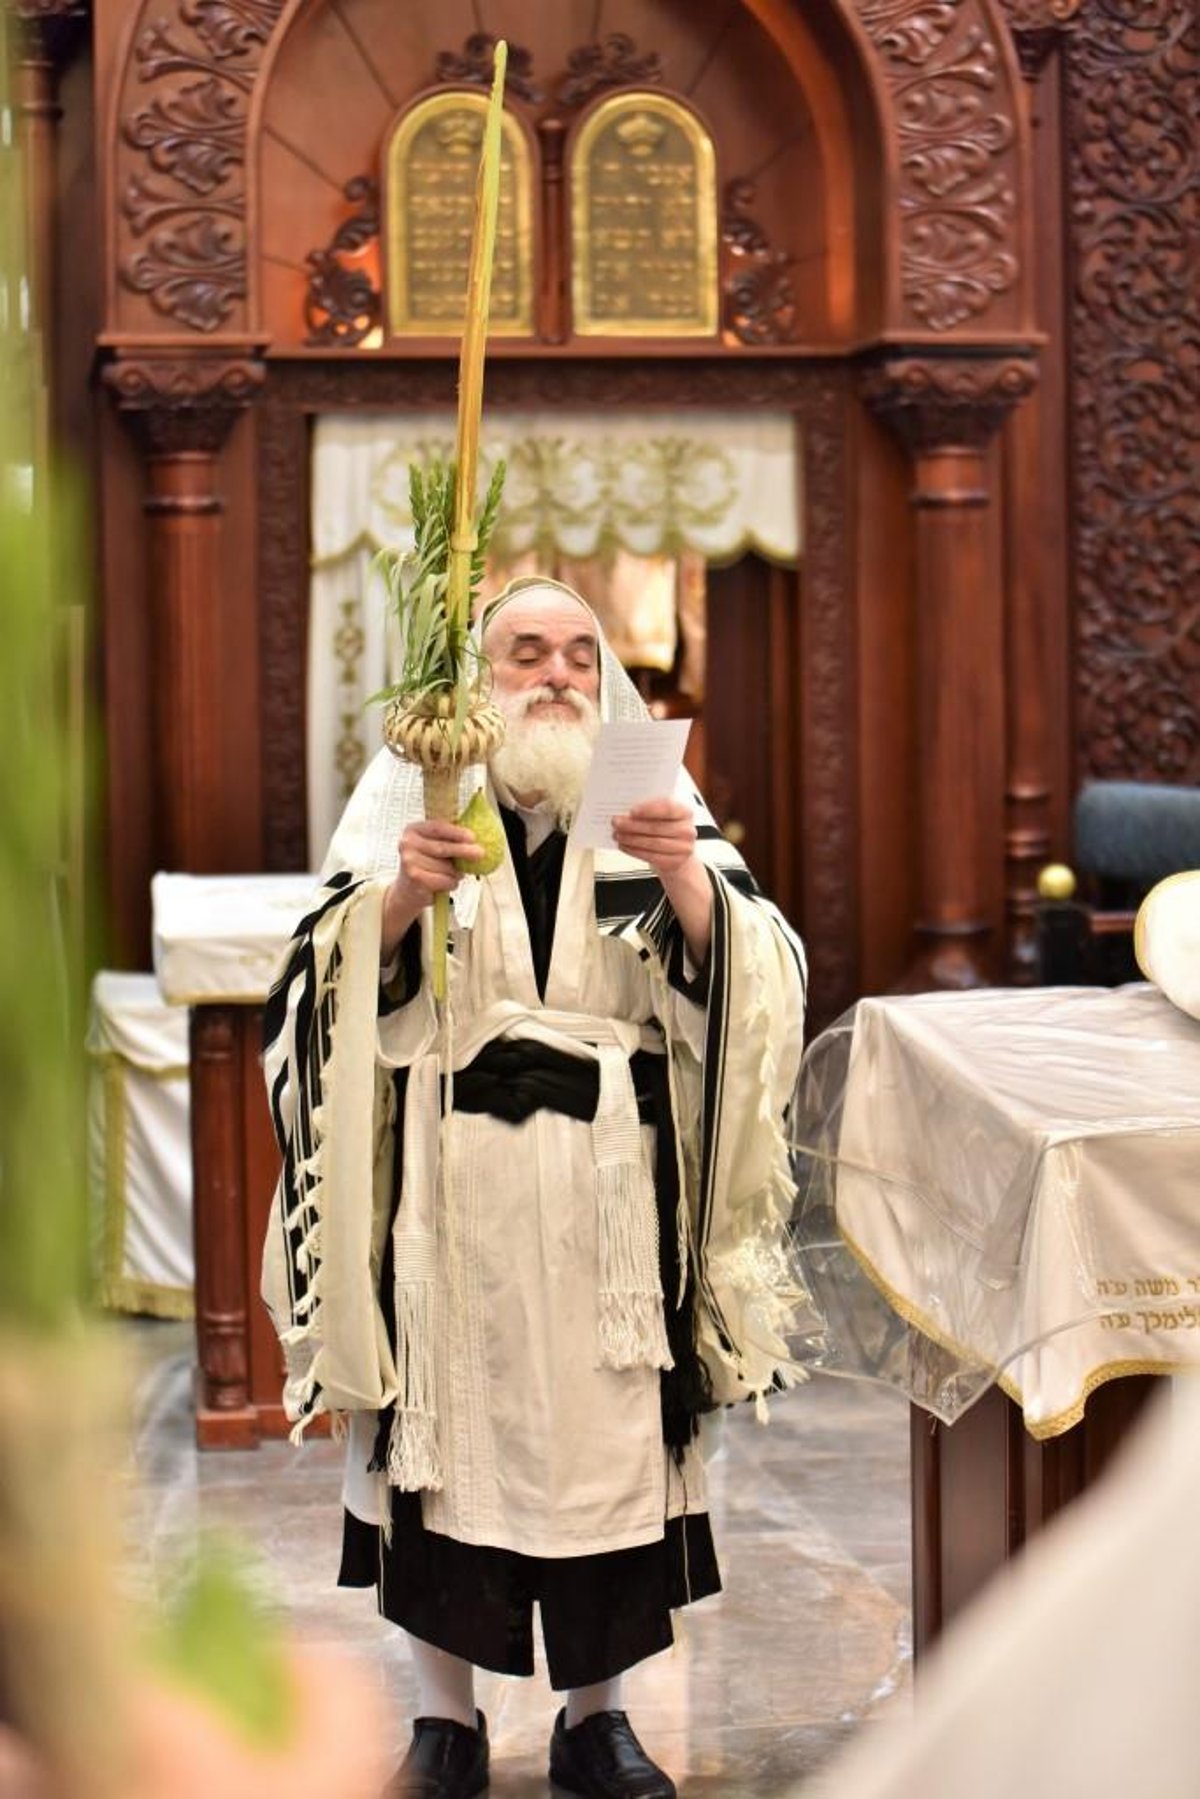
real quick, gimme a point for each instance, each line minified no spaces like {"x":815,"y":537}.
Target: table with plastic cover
{"x":999,"y":1214}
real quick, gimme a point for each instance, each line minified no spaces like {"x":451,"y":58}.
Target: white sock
{"x":445,"y":1684}
{"x":605,"y":1696}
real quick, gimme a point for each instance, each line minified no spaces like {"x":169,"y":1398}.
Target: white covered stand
{"x":139,"y":1147}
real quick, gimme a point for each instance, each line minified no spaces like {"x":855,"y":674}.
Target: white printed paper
{"x":632,"y":761}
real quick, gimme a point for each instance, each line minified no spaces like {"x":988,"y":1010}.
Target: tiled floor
{"x":810,"y":1638}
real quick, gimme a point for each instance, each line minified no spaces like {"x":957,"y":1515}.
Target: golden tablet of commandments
{"x":644,"y":221}
{"x":432,"y":166}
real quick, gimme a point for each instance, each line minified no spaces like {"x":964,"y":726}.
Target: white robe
{"x":543,"y":1450}
{"x":533,"y":1444}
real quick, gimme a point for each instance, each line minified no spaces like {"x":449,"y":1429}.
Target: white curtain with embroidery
{"x":629,"y":507}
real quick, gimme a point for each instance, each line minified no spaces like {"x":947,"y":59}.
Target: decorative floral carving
{"x":183,"y":403}
{"x":283,"y":576}
{"x":758,"y":303}
{"x":196,"y":135}
{"x":613,"y":62}
{"x":350,"y":755}
{"x":342,"y":306}
{"x":192,"y":134}
{"x":194,"y":270}
{"x":934,"y":403}
{"x":827,"y":709}
{"x":231,"y":28}
{"x":472,"y":67}
{"x":957,"y":202}
{"x":1133,"y":102}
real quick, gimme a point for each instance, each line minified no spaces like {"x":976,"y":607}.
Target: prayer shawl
{"x":329,"y":1060}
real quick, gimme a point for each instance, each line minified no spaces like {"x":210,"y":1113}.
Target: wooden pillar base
{"x":235,"y":1165}
{"x":983,"y":1486}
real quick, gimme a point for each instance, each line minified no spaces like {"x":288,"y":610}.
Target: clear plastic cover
{"x":1002,"y":1185}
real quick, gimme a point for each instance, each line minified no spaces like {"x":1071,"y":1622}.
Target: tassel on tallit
{"x":413,"y":1459}
{"x":632,"y":1330}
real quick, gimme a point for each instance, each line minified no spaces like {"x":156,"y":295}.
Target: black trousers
{"x":600,"y":1613}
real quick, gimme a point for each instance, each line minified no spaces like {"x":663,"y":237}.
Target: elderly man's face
{"x":545,"y":642}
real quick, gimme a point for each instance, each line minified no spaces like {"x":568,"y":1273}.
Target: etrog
{"x":488,"y":832}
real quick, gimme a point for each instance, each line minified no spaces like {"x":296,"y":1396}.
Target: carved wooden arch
{"x":926,"y":89}
{"x":952,"y":149}
{"x":849,"y":106}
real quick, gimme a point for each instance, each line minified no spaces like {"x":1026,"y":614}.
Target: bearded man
{"x":528,"y":1240}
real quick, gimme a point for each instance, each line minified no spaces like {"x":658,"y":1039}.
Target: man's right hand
{"x":428,"y":850}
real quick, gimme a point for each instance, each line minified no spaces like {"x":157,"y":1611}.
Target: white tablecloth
{"x":139,"y":1147}
{"x":1018,"y":1173}
{"x":217,"y":938}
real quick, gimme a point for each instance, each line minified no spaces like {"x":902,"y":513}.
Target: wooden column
{"x":48,"y":31}
{"x":553,"y":309}
{"x":945,"y":412}
{"x":235,"y":1166}
{"x":1036,"y":611}
{"x":226,"y":1417}
{"x":181,"y":411}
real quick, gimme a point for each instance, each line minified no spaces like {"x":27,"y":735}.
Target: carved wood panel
{"x":181,"y":194}
{"x":185,"y":95}
{"x":828,"y":712}
{"x":955,"y":122}
{"x":1133,"y":106}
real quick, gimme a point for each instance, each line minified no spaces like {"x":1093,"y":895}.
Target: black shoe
{"x":602,"y":1759}
{"x":446,"y":1760}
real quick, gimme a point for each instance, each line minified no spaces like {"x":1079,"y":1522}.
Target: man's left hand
{"x":661,"y":833}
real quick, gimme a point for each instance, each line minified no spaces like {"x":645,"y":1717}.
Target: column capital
{"x":947,"y":402}
{"x":177,"y":404}
{"x":50,"y":29}
{"x":1036,"y":27}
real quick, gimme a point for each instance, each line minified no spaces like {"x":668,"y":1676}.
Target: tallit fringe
{"x":759,"y":1265}
{"x":413,"y":1458}
{"x":300,"y":1385}
{"x":632,"y":1330}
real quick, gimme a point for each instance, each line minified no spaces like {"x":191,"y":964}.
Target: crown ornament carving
{"x":459,"y":133}
{"x":641,"y":134}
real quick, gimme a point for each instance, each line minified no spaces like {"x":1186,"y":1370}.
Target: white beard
{"x":548,"y":757}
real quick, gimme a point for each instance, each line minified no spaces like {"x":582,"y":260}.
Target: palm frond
{"x":437,"y":658}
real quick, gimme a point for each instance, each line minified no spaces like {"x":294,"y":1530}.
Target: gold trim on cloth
{"x":643,"y":221}
{"x":115,"y":1290}
{"x":1042,"y":1428}
{"x":430,"y":167}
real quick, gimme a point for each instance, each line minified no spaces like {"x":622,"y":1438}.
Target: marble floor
{"x":809,"y":1642}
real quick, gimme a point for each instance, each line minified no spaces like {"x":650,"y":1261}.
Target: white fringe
{"x":413,"y":1459}
{"x":632,"y":1331}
